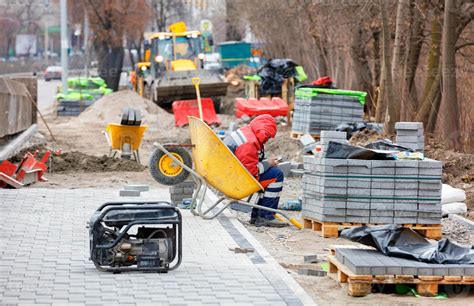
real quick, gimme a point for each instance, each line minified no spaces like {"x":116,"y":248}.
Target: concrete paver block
{"x":129,"y":193}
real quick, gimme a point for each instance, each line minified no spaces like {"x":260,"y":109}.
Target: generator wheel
{"x":165,"y":170}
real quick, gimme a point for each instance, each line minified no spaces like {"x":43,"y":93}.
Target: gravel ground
{"x":457,"y":232}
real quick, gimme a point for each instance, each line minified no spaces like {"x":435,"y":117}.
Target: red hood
{"x":264,"y":127}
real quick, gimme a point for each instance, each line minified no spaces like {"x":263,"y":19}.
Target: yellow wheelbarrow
{"x":214,"y":165}
{"x":125,"y":139}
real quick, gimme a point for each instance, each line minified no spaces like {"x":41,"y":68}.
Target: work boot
{"x":253,"y":216}
{"x":270,"y":223}
{"x":253,"y":220}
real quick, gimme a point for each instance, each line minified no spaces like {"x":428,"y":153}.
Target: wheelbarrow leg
{"x":278,"y":213}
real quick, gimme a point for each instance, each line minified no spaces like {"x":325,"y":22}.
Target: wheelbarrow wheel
{"x":165,"y":170}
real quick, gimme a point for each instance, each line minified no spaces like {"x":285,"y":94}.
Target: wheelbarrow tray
{"x":214,"y":161}
{"x":119,"y":133}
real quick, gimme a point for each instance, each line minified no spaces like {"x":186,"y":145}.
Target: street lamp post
{"x":64,"y":45}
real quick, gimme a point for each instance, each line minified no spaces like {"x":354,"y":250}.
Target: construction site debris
{"x":312,"y":258}
{"x":311,"y":272}
{"x":129,"y":193}
{"x":79,"y":162}
{"x":457,"y":231}
{"x":366,"y":136}
{"x":241,"y":250}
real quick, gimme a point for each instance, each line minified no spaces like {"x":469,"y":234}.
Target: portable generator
{"x":136,"y":236}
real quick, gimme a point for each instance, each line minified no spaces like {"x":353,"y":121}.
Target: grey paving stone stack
{"x":410,"y":135}
{"x":327,"y":136}
{"x":315,"y":113}
{"x":372,"y":262}
{"x":372,"y":191}
{"x":182,"y":191}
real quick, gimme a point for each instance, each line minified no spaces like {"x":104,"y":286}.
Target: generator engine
{"x":143,"y":236}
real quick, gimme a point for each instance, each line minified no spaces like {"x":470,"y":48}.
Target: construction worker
{"x":247,"y":145}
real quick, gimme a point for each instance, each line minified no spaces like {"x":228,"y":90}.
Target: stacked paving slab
{"x":316,"y":111}
{"x":372,"y":191}
{"x":182,"y":191}
{"x":73,"y":108}
{"x":410,"y":135}
{"x":372,"y":262}
{"x":327,"y":136}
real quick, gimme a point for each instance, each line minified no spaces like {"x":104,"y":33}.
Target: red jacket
{"x":247,"y":143}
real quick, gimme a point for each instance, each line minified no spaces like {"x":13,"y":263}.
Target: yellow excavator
{"x":174,"y":58}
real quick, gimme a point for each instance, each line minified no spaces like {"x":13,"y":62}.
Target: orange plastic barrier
{"x":254,"y":107}
{"x":184,"y":108}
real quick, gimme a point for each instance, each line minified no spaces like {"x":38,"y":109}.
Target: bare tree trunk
{"x":433,"y":81}
{"x":409,"y":98}
{"x":397,"y":45}
{"x":381,"y":101}
{"x":376,"y":70}
{"x":433,"y":118}
{"x":393,"y":109}
{"x":449,"y":103}
{"x":430,"y":103}
{"x":361,"y":70}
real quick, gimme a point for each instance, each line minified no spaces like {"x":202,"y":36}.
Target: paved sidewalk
{"x":45,"y":251}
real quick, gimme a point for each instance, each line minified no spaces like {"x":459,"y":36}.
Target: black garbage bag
{"x":273,"y":73}
{"x":342,"y":151}
{"x":387,"y":145}
{"x":397,"y":241}
{"x":350,"y":128}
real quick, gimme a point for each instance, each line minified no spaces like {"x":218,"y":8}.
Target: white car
{"x":53,"y":73}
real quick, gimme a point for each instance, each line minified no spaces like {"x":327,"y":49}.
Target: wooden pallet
{"x":297,"y":136}
{"x":331,"y":229}
{"x":361,"y":285}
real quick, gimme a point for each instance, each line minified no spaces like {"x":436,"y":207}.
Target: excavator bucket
{"x":178,"y":86}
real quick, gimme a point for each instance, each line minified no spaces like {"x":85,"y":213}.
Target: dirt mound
{"x":236,"y":87}
{"x":109,"y":108}
{"x":283,"y":145}
{"x":235,"y":76}
{"x":366,"y":136}
{"x":75,"y":161}
{"x":19,"y":156}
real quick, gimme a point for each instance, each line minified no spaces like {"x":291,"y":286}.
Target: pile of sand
{"x":109,"y":108}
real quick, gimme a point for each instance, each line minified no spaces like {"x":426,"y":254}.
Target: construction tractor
{"x":175,"y":58}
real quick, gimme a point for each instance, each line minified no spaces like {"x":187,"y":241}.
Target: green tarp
{"x":307,"y":92}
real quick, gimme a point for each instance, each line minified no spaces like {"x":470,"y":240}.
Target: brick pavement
{"x":45,"y":251}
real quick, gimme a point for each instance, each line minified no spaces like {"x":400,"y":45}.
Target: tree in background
{"x":166,"y":12}
{"x":111,"y":21}
{"x":361,"y":47}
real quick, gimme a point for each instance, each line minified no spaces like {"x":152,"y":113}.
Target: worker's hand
{"x":272,"y":161}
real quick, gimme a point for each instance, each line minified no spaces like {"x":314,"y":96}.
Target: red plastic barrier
{"x":253,"y":107}
{"x":184,"y":108}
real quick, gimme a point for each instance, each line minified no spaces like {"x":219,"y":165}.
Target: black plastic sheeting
{"x":273,"y":73}
{"x":387,"y":145}
{"x":342,"y":151}
{"x":397,"y":241}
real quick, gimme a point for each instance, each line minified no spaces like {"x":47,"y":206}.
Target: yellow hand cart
{"x":125,"y":139}
{"x":214,"y":165}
